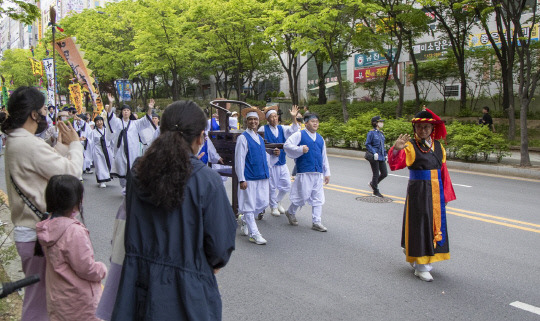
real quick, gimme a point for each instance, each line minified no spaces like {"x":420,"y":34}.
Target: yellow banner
{"x":37,"y":67}
{"x":75,"y":95}
{"x":74,"y":58}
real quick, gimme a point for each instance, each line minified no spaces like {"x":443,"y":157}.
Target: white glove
{"x":376,"y":156}
{"x":386,"y":158}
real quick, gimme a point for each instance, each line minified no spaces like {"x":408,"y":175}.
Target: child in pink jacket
{"x":73,"y":277}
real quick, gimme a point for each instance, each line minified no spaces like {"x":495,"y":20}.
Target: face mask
{"x":42,"y":124}
{"x":380,"y":124}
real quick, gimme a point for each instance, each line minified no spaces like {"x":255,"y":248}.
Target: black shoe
{"x":376,"y":193}
{"x":261,"y":215}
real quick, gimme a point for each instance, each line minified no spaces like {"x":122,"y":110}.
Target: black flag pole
{"x":53,"y":25}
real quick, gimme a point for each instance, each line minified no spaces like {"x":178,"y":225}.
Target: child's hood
{"x":51,"y":230}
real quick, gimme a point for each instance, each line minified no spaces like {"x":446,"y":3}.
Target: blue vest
{"x":204,"y":150}
{"x":279,"y":140}
{"x":311,"y":161}
{"x":214,"y":125}
{"x":256,"y":163}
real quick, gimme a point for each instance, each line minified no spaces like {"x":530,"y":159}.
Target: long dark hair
{"x":62,"y":194}
{"x":164,"y":169}
{"x":20,"y":105}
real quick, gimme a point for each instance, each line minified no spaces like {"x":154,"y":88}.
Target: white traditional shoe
{"x":102,"y":185}
{"x":257,"y":239}
{"x":424,"y":276}
{"x":275,"y":212}
{"x":280,"y":208}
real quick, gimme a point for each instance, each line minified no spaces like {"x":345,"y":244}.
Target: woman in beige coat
{"x":29,"y":163}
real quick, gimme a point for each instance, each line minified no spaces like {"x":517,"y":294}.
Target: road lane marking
{"x":498,"y":220}
{"x":407,"y":177}
{"x":457,"y":171}
{"x":526,"y":307}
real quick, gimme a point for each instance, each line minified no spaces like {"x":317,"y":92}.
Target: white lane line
{"x":408,"y":177}
{"x":526,"y":307}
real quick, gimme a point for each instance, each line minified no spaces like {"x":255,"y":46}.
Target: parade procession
{"x":269,"y":160}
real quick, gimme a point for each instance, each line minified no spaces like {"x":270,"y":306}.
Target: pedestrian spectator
{"x":376,"y":154}
{"x":233,"y":120}
{"x":180,"y":227}
{"x":308,"y":149}
{"x":486,"y":119}
{"x":424,"y":236}
{"x":73,"y":277}
{"x":29,"y":164}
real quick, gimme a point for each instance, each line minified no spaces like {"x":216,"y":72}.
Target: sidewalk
{"x":509,"y":166}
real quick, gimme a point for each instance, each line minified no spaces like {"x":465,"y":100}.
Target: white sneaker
{"x":424,"y":276}
{"x":319,"y":227}
{"x":102,"y":185}
{"x":257,"y":239}
{"x":280,"y":208}
{"x":275,"y":212}
{"x":89,"y":171}
{"x":243,"y":226}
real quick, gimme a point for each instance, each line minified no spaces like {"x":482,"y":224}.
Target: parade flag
{"x":75,"y":95}
{"x":70,"y":52}
{"x":49,"y":72}
{"x":123,"y":87}
{"x":37,"y":67}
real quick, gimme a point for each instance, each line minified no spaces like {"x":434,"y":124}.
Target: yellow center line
{"x":449,"y":210}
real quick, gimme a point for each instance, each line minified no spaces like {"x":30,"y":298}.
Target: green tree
{"x":15,"y":65}
{"x":19,"y":10}
{"x":437,"y":72}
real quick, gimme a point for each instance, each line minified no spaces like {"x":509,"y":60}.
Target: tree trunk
{"x":415,"y":71}
{"x":322,"y":88}
{"x":508,"y":104}
{"x":174,"y":87}
{"x":463,"y":87}
{"x":342,"y":96}
{"x":524,"y":146}
{"x":401,"y":89}
{"x":385,"y":83}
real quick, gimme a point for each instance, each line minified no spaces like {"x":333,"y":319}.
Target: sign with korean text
{"x":482,"y":39}
{"x":370,"y":59}
{"x":368,"y":74}
{"x":75,"y":95}
{"x":74,"y":58}
{"x":48,"y":66}
{"x":431,"y":49}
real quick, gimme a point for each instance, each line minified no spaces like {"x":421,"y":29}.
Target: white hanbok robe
{"x":126,"y":146}
{"x":83,"y":129}
{"x":255,"y":198}
{"x":146,"y":137}
{"x":307,"y":187}
{"x":280,"y":177}
{"x":102,"y":153}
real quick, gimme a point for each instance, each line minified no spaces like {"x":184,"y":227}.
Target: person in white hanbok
{"x":280,"y":177}
{"x":147,"y":133}
{"x":126,"y":132}
{"x":308,"y":149}
{"x":101,"y":142}
{"x":84,"y":130}
{"x":251,"y":164}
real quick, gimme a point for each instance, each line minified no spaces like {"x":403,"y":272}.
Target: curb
{"x":496,"y":169}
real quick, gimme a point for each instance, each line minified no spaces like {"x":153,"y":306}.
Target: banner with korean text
{"x":368,"y":74}
{"x":37,"y":67}
{"x":69,"y":51}
{"x":75,"y":95}
{"x":49,"y":72}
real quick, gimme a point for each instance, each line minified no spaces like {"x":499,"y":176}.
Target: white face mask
{"x":380,"y":124}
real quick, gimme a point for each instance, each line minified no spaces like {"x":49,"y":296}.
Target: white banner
{"x":49,"y":71}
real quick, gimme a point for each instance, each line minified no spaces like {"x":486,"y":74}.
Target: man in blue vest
{"x":309,"y":151}
{"x":280,"y":177}
{"x":251,"y":164}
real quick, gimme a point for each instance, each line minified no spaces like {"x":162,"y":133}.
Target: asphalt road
{"x":357,"y":271}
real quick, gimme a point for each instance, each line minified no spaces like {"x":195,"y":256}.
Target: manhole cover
{"x":374,"y":199}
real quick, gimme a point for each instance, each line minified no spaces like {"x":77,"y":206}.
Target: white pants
{"x":280,"y":182}
{"x":308,"y":187}
{"x":253,"y":200}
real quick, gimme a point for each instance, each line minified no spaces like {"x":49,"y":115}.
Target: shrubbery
{"x":385,"y":110}
{"x":464,"y":141}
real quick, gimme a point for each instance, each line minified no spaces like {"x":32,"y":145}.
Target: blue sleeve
{"x":369,"y":142}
